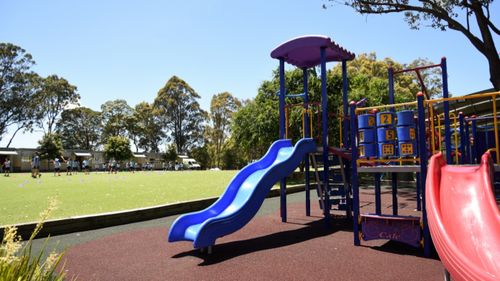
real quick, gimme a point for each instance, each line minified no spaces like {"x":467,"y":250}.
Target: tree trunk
{"x":13,"y":135}
{"x":488,"y":48}
{"x":494,"y":63}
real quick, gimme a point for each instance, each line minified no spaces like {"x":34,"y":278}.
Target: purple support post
{"x":446,"y":109}
{"x":378,"y":197}
{"x":474,"y":138}
{"x":324,"y":129}
{"x":282,"y":136}
{"x":467,"y":142}
{"x":419,"y":187}
{"x":354,"y":173}
{"x":394,"y":176}
{"x":422,"y":150}
{"x":307,"y":134}
{"x":394,"y":180}
{"x":417,"y":176}
{"x":345,"y":122}
{"x":462,"y":137}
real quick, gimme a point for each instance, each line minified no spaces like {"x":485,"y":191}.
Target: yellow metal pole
{"x":476,"y":96}
{"x":411,"y":103}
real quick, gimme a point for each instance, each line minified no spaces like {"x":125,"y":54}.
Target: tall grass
{"x":18,"y":262}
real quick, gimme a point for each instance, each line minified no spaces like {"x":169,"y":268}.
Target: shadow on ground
{"x":399,"y":248}
{"x":226,"y":251}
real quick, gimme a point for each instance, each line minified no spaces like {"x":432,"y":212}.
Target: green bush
{"x":18,"y":262}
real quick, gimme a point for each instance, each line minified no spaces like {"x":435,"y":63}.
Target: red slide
{"x":464,"y":219}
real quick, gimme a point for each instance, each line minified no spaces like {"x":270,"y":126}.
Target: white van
{"x":189,"y":163}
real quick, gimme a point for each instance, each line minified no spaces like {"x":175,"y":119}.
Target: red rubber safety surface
{"x":265,"y":249}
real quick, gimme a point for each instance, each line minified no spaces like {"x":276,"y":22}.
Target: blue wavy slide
{"x":243,"y":196}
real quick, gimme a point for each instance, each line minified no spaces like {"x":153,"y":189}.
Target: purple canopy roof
{"x":304,"y":51}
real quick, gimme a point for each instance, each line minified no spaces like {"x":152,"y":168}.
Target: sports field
{"x":22,"y":198}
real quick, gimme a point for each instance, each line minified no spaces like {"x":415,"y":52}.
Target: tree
{"x":145,"y":128}
{"x":55,"y":95}
{"x":431,"y":78}
{"x":201,"y":155}
{"x":50,"y":146}
{"x":171,"y":153}
{"x":368,"y":78}
{"x":255,"y":126}
{"x":443,"y":15}
{"x":181,"y":114}
{"x":222,"y":108}
{"x":18,"y":88}
{"x":115,"y":118}
{"x":118,"y":148}
{"x":80,"y":128}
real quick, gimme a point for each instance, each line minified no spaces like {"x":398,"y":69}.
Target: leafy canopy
{"x":472,"y":18}
{"x":18,"y":90}
{"x":80,"y":128}
{"x":118,"y":148}
{"x":181,"y":115}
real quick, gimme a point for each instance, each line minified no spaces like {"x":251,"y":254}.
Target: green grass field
{"x":22,"y":198}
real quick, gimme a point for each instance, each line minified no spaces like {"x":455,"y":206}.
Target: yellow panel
{"x":387,"y":149}
{"x":412,"y":133}
{"x":371,"y":121}
{"x":406,"y":148}
{"x":389,"y":135}
{"x":362,"y":151}
{"x":385,"y":119}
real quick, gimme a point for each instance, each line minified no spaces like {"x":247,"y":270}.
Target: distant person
{"x":112,"y":166}
{"x":6,"y":167}
{"x":86,"y":166}
{"x":57,"y":167}
{"x":69,"y":167}
{"x":76,"y":166}
{"x":35,"y":166}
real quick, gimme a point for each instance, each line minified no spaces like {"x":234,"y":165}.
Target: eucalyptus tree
{"x":80,"y":128}
{"x":18,"y":89}
{"x":181,"y":115}
{"x":222,"y":108}
{"x":115,"y":118}
{"x":55,"y":95}
{"x":144,"y":128}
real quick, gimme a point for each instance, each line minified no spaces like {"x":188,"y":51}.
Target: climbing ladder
{"x":337,"y":186}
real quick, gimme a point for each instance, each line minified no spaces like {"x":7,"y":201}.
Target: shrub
{"x":18,"y":262}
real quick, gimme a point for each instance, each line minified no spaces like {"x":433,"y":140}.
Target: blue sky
{"x":129,"y":49}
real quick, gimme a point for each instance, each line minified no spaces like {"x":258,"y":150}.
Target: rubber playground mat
{"x":303,"y":248}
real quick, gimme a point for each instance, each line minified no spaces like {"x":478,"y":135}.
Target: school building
{"x":21,"y":159}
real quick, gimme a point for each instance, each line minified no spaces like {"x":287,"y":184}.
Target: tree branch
{"x":439,"y":13}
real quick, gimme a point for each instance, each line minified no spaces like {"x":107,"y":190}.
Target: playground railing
{"x":455,"y":124}
{"x":493,"y":96}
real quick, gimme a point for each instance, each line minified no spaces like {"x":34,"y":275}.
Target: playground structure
{"x":393,"y":139}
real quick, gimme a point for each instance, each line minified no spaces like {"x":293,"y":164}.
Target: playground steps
{"x":337,"y":188}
